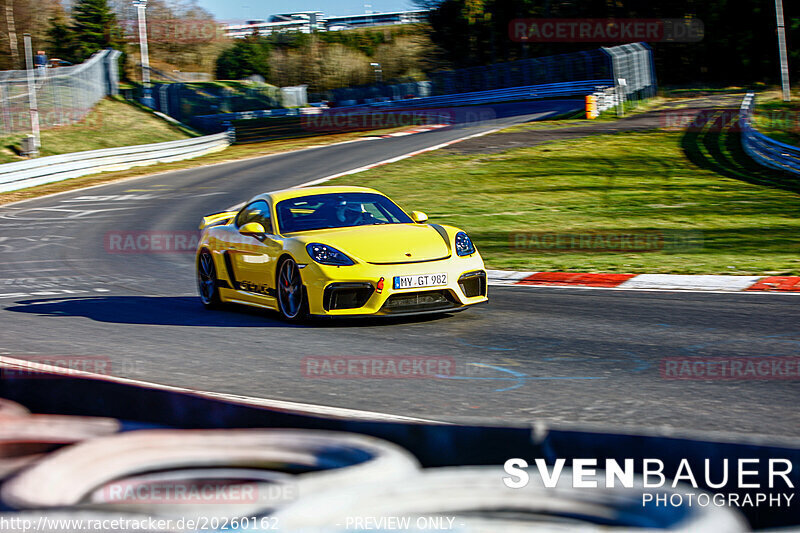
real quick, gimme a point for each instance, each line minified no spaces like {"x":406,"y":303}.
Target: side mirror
{"x":418,"y":216}
{"x":252,"y":229}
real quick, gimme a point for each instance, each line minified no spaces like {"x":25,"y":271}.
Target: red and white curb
{"x":667,"y":282}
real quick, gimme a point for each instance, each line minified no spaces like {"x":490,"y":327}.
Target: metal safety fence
{"x":764,"y":150}
{"x":633,"y":70}
{"x":23,"y":174}
{"x":630,"y":67}
{"x":63,"y":95}
{"x":615,"y":75}
{"x":619,"y":76}
{"x":531,"y":92}
{"x":187,"y":101}
{"x":294,"y":96}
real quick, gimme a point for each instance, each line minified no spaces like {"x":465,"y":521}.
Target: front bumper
{"x":353,"y":290}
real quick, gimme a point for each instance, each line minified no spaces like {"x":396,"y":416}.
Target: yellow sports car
{"x":336,"y":251}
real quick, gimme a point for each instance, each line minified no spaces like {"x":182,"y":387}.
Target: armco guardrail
{"x":22,"y":174}
{"x":219,"y":121}
{"x":631,"y":62}
{"x":529,"y":92}
{"x":256,"y":126}
{"x":764,"y":150}
{"x":336,"y":121}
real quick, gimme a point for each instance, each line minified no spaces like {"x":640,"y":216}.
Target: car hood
{"x":385,"y":243}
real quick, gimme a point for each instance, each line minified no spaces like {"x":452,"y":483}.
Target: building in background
{"x":303,"y":22}
{"x":311,"y":21}
{"x":374,"y":19}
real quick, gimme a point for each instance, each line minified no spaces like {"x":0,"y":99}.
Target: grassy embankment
{"x":697,"y":182}
{"x":655,"y":181}
{"x":778,"y":119}
{"x":111,"y":123}
{"x":118,"y":123}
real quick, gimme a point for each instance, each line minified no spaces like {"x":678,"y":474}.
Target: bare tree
{"x":12,"y":35}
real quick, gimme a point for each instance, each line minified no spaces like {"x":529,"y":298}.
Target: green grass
{"x":631,"y":182}
{"x":112,"y":123}
{"x":778,"y":119}
{"x":235,"y":152}
{"x":568,"y":120}
{"x":565,"y":121}
{"x":696,"y":91}
{"x":237,"y":86}
{"x":578,"y":118}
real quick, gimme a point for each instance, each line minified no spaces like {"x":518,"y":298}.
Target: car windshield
{"x":337,"y":210}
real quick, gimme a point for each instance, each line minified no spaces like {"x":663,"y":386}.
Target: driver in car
{"x":352,"y":214}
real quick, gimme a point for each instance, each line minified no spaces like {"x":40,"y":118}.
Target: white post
{"x":378,"y":71}
{"x":620,"y":86}
{"x":32,"y":91}
{"x":147,"y":98}
{"x":782,"y":51}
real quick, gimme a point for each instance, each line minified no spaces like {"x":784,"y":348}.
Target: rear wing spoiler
{"x":217,"y":219}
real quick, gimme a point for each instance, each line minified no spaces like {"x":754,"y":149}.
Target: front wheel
{"x":292,"y":301}
{"x":207,"y":281}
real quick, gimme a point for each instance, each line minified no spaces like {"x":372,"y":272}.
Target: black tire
{"x":291,"y":294}
{"x":207,"y":281}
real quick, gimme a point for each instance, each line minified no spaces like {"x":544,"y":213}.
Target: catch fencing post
{"x":230,"y":130}
{"x":32,"y":95}
{"x":787,"y":96}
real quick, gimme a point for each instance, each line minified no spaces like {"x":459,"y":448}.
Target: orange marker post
{"x":591,"y":106}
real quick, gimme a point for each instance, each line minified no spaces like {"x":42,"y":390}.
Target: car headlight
{"x":327,"y":255}
{"x":464,"y":244}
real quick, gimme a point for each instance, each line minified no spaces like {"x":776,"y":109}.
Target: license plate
{"x":420,"y":280}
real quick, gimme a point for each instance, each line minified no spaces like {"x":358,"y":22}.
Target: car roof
{"x":285,"y":194}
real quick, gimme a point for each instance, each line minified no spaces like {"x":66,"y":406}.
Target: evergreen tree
{"x":94,"y":28}
{"x":246,"y":57}
{"x":60,"y":38}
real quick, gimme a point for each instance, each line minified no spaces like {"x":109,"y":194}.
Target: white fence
{"x":23,"y":174}
{"x":64,"y":95}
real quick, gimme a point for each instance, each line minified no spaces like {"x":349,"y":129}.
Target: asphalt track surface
{"x":557,"y":355}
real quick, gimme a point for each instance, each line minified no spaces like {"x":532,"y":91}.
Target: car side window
{"x":258,"y":211}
